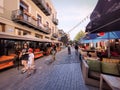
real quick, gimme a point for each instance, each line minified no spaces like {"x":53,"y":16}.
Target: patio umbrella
{"x":90,"y":38}
{"x":106,"y":35}
{"x":105,"y":17}
{"x":110,"y":35}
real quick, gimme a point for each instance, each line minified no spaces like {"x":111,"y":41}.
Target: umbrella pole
{"x":108,"y":45}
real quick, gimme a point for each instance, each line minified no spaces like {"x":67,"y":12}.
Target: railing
{"x":55,"y":21}
{"x":61,"y":32}
{"x":55,"y":35}
{"x":25,"y":17}
{"x":42,"y":5}
{"x":28,"y":20}
{"x":47,"y":29}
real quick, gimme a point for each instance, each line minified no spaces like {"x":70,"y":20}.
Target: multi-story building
{"x":63,"y":37}
{"x":34,"y":17}
{"x":61,"y":33}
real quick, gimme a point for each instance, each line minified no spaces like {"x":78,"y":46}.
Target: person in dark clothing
{"x":53,"y":51}
{"x":54,"y":47}
{"x":69,"y":49}
{"x":76,"y":49}
{"x":24,"y":57}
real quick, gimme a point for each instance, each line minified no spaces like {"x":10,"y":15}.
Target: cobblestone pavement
{"x":62,"y":74}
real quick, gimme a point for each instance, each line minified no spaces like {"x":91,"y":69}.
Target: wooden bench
{"x":112,"y":81}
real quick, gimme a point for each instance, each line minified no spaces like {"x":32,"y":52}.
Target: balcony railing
{"x":60,"y":32}
{"x":25,"y":18}
{"x":55,"y":35}
{"x":42,"y":5}
{"x":55,"y":21}
{"x":47,"y":29}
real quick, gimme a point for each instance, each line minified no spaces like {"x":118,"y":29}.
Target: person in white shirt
{"x":31,"y":62}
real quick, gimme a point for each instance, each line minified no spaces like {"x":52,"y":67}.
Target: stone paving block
{"x":62,"y":74}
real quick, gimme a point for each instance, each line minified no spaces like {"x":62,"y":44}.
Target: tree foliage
{"x":79,"y":35}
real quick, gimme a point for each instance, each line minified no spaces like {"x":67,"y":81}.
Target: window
{"x":24,"y":7}
{"x":38,"y":36}
{"x":19,"y":32}
{"x":47,"y":24}
{"x":46,"y":37}
{"x":48,"y":7}
{"x":2,"y":27}
{"x":25,"y":33}
{"x":39,"y":22}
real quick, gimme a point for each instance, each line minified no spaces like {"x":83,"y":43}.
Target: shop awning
{"x":26,"y":37}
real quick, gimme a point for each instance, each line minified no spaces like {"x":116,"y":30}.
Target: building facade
{"x":63,"y":37}
{"x":33,"y":17}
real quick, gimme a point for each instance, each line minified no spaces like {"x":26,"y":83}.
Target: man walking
{"x":69,"y":49}
{"x":76,"y":49}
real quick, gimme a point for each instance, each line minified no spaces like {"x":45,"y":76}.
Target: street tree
{"x":79,"y":35}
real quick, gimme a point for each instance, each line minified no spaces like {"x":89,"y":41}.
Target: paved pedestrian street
{"x":62,"y":74}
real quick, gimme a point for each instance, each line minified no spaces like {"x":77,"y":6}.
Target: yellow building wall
{"x":33,"y":9}
{"x":1,"y":6}
{"x":9,"y":7}
{"x":9,"y":29}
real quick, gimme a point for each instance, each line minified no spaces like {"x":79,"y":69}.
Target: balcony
{"x":55,"y":21}
{"x":25,"y":18}
{"x":61,"y":32}
{"x":42,"y":5}
{"x":47,"y":29}
{"x":55,"y":35}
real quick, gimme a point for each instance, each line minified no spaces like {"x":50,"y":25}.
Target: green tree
{"x":79,"y":35}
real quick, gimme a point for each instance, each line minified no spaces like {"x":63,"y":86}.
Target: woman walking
{"x":24,"y":57}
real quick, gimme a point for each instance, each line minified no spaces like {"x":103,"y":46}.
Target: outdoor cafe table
{"x":112,"y":81}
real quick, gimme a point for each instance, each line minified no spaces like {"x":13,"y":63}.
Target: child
{"x":31,"y":63}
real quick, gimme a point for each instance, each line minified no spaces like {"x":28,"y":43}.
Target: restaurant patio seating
{"x":6,"y":61}
{"x":92,"y":69}
{"x":115,"y":54}
{"x":38,"y":53}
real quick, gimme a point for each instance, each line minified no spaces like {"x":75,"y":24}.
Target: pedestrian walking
{"x":76,"y":49}
{"x":69,"y":49}
{"x":17,"y":60}
{"x":53,"y":51}
{"x":24,"y":57}
{"x":31,"y":62}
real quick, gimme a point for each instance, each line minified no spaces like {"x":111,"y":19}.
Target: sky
{"x":72,"y":12}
